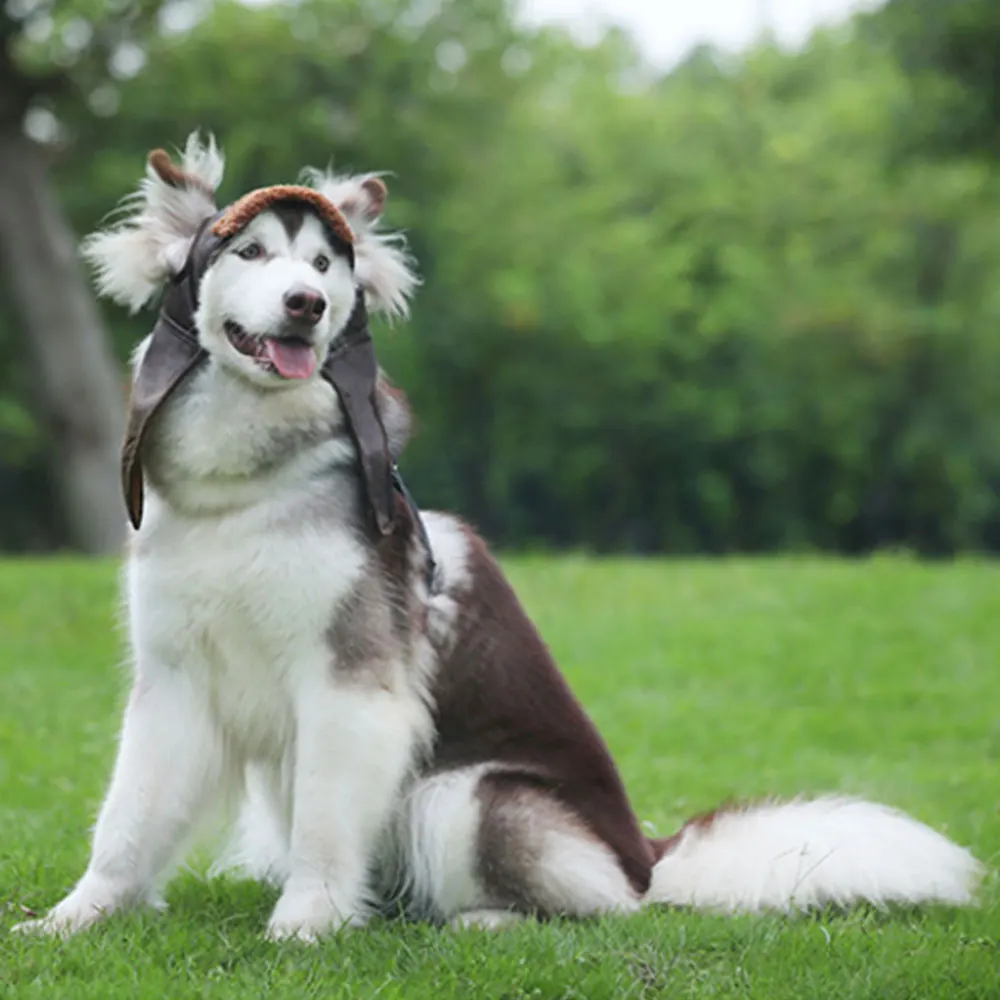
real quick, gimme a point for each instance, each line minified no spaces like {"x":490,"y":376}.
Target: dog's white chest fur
{"x":241,"y":602}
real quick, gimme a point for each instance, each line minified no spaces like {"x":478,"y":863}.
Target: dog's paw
{"x":308,"y":915}
{"x":44,"y":927}
{"x":75,"y":913}
{"x":93,"y":899}
{"x":485,"y":920}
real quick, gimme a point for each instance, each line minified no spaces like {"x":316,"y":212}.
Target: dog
{"x":368,"y":698}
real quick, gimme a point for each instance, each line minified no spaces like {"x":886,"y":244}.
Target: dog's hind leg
{"x":485,"y":920}
{"x":484,"y":846}
{"x":169,"y":767}
{"x":259,"y":845}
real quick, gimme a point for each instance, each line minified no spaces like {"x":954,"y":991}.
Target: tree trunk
{"x":77,"y":385}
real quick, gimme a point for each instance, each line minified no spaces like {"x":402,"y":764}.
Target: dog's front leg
{"x":353,"y":746}
{"x":168,"y":764}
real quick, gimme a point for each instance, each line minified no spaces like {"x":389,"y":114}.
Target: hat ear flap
{"x":166,"y":361}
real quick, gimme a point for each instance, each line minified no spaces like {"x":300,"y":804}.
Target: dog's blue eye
{"x":250,"y":252}
{"x":321,"y":263}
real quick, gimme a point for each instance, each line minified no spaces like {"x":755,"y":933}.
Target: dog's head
{"x":280,"y":282}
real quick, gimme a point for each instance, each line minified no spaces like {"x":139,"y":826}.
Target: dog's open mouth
{"x":289,"y":357}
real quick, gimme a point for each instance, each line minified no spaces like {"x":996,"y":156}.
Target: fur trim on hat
{"x":239,"y":214}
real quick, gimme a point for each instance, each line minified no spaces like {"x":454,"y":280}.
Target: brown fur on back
{"x":499,"y":697}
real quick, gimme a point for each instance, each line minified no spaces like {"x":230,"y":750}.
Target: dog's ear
{"x":383,"y":267}
{"x":135,"y":257}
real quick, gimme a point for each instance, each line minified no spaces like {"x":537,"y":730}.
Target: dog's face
{"x":273,"y":301}
{"x":281,"y":290}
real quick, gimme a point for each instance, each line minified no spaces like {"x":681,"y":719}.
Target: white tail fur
{"x":803,"y":854}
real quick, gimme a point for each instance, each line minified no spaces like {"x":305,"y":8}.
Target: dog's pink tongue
{"x":292,"y":358}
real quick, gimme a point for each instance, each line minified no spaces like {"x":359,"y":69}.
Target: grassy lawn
{"x":709,"y":680}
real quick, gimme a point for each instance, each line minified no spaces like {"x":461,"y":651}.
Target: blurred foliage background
{"x":750,"y":304}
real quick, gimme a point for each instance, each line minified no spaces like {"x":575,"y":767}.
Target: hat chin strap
{"x":351,"y":368}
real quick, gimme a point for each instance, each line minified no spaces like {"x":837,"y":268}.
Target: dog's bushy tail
{"x":804,"y":854}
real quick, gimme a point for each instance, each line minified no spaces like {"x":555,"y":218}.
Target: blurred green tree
{"x":951,"y":49}
{"x":59,"y":52}
{"x":729,"y":321}
{"x":735,"y":307}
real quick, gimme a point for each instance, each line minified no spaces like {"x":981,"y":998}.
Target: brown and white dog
{"x":391,"y":742}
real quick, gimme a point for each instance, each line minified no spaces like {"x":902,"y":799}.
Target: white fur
{"x":451,"y":549}
{"x":208,"y":470}
{"x":251,"y":292}
{"x":134,"y":259}
{"x":485,"y":920}
{"x":579,"y":875}
{"x":440,"y":827}
{"x":383,"y":267}
{"x":259,"y":846}
{"x":795,"y":855}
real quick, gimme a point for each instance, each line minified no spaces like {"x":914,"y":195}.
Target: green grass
{"x":709,"y":680}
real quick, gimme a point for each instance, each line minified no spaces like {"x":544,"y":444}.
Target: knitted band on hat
{"x":241,"y":211}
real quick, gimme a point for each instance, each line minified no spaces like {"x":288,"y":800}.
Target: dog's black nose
{"x":304,"y":305}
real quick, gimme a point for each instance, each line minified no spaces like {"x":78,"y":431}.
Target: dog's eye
{"x":321,"y":263}
{"x":250,"y":252}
